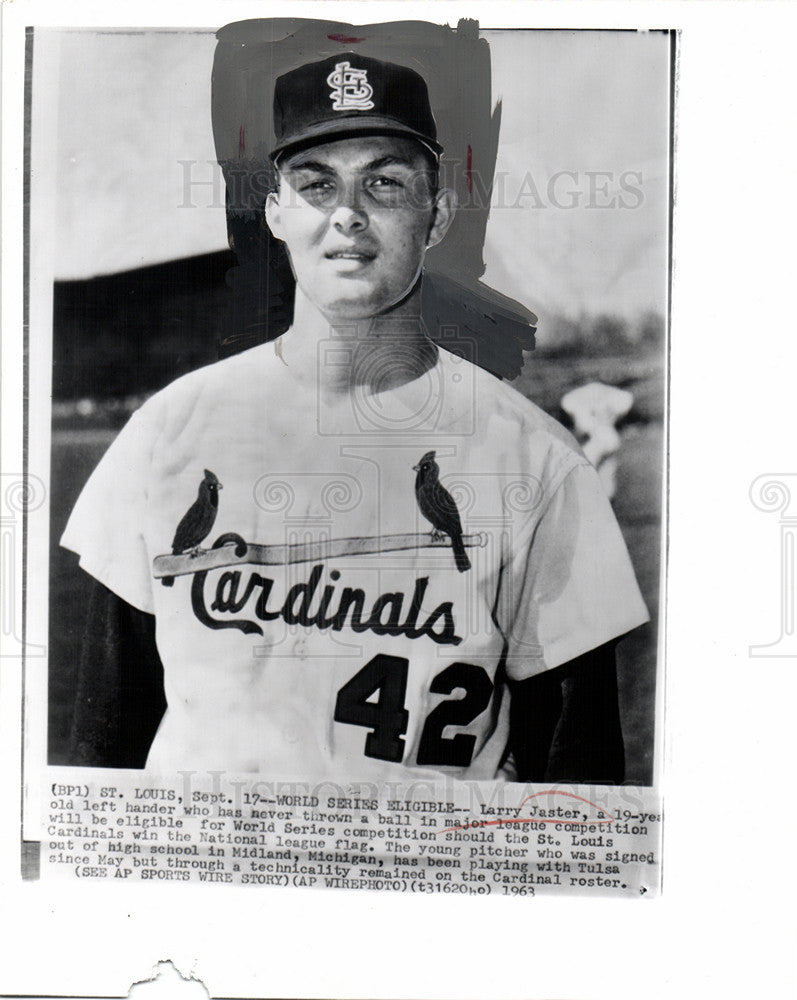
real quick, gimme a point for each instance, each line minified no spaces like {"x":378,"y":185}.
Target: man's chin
{"x":363,"y":307}
{"x":354,"y":310}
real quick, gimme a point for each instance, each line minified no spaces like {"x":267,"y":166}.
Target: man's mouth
{"x":363,"y":256}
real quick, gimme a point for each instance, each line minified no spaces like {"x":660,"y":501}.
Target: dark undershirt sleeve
{"x":119,"y":699}
{"x":565,"y":722}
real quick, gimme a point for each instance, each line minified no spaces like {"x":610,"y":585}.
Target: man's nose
{"x":349,"y":215}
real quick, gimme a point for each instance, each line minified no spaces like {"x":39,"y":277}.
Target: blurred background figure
{"x":595,"y":409}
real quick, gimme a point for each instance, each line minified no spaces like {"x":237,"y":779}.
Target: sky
{"x":589,"y":136}
{"x":579,"y":212}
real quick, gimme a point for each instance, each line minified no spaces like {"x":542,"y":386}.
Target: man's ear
{"x":445,"y":207}
{"x":274,"y":215}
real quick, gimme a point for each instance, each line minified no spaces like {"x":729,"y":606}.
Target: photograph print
{"x":358,"y":355}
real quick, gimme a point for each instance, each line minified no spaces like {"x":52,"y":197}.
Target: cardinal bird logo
{"x":197,"y":522}
{"x":438,"y":507}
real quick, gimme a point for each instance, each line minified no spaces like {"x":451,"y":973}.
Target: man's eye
{"x":386,"y":182}
{"x":319,"y":185}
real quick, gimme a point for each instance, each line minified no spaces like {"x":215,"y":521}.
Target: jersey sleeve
{"x":106,"y":527}
{"x":571,"y":586}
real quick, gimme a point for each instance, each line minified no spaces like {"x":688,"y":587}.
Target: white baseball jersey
{"x":322,"y":627}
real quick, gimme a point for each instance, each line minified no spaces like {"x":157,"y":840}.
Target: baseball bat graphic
{"x":231,"y":550}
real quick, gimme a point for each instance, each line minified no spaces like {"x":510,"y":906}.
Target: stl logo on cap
{"x":350,"y":88}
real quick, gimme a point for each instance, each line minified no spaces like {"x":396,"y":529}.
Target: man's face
{"x":357,"y":216}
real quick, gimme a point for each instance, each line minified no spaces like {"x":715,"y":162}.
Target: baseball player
{"x":353,"y":554}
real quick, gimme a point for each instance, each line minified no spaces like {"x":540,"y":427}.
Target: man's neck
{"x":340,"y":356}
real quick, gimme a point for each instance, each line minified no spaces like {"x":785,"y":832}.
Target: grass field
{"x":76,"y":450}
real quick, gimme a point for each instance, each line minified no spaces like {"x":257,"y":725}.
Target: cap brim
{"x":360,"y":125}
